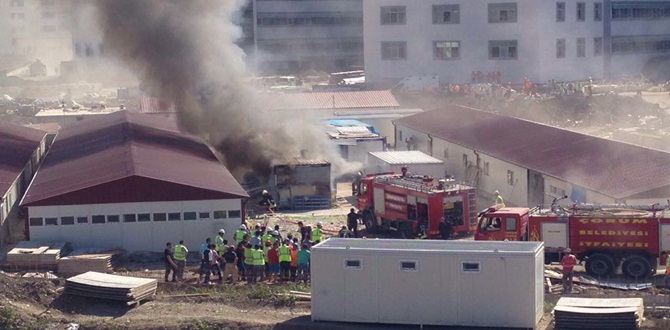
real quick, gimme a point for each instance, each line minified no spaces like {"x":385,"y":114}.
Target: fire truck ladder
{"x":472,"y":175}
{"x":584,"y":208}
{"x":472,"y":209}
{"x":399,"y":182}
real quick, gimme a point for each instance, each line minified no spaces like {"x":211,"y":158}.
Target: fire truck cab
{"x":499,"y":223}
{"x":414,"y":205}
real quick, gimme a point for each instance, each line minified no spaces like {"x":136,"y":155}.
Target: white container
{"x":416,"y":162}
{"x":428,"y":282}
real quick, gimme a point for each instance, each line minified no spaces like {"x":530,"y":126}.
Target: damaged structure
{"x":302,"y":184}
{"x":355,"y":139}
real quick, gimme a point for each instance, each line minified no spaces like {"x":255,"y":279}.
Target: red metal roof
{"x":17,"y":146}
{"x":128,"y":157}
{"x":616,"y":169}
{"x":322,"y":100}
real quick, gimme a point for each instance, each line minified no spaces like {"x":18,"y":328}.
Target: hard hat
{"x":319,"y":224}
{"x":496,"y":192}
{"x":243,"y":227}
{"x":275,"y":233}
{"x":222,"y":232}
{"x":264,"y":192}
{"x":567,"y":250}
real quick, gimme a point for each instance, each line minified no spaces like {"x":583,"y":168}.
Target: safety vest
{"x":284,"y":253}
{"x":239,"y":236}
{"x":179,"y":253}
{"x":218,"y":240}
{"x":316,"y":234}
{"x":248,"y":256}
{"x":258,"y":259}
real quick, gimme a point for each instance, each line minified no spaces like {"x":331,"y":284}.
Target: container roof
{"x":359,"y":244}
{"x":325,"y":100}
{"x":405,"y":157}
{"x":613,"y":168}
{"x":18,"y":146}
{"x":108,"y":148}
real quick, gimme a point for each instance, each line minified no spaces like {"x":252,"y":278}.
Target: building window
{"x":203,"y":215}
{"x":486,"y":168}
{"x":445,"y":50}
{"x":143,"y":217}
{"x":632,"y":45}
{"x":393,"y":15}
{"x":399,"y":135}
{"x":174,"y":216}
{"x":394,"y":50}
{"x":409,"y":265}
{"x":82,"y":219}
{"x":502,"y":12}
{"x":510,"y":224}
{"x":598,"y":11}
{"x":234,"y":214}
{"x":113,"y":218}
{"x":51,"y":221}
{"x":353,"y":264}
{"x":96,"y":219}
{"x":581,"y":47}
{"x":465,"y":160}
{"x":129,"y":218}
{"x":160,"y":217}
{"x":446,"y":153}
{"x":48,"y":2}
{"x":560,"y":48}
{"x":446,"y":14}
{"x":470,"y":267}
{"x":643,"y":10}
{"x":190,"y":215}
{"x":220,"y":214}
{"x":502,"y":49}
{"x":560,"y":12}
{"x":556,"y":191}
{"x":597,"y":46}
{"x":16,"y":3}
{"x":36,"y":222}
{"x":581,"y":11}
{"x":67,"y":220}
{"x":510,"y":177}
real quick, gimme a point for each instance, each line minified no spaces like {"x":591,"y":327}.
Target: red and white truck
{"x":414,"y":205}
{"x":605,"y":237}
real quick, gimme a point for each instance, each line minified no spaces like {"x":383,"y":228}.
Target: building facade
{"x":541,"y":40}
{"x":294,"y":36}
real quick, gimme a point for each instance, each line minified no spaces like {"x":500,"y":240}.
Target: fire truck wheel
{"x":369,"y":220}
{"x":636,"y":266}
{"x":599,"y":265}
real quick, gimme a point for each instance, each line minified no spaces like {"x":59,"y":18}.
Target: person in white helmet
{"x":267,"y":202}
{"x":239,"y":234}
{"x":219,"y":241}
{"x":498,"y":199}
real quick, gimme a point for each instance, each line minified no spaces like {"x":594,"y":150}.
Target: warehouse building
{"x":541,"y":40}
{"x":132,"y":181}
{"x":531,"y":163}
{"x":21,"y":152}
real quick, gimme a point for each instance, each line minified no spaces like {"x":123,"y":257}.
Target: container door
{"x":554,"y":235}
{"x":664,"y":243}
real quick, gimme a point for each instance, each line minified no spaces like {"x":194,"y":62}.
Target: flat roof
{"x":406,"y":157}
{"x":482,"y":247}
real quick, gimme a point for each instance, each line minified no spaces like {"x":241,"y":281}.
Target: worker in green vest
{"x":239,"y":234}
{"x":284,"y":260}
{"x":317,"y":233}
{"x":258,"y":260}
{"x":498,"y":199}
{"x":268,"y":237}
{"x":219,"y":241}
{"x":180,"y":252}
{"x":249,"y":262}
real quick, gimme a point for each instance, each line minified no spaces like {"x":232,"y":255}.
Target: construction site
{"x":402,"y":203}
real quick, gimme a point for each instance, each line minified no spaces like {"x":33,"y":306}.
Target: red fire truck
{"x":414,"y":205}
{"x":604,"y":236}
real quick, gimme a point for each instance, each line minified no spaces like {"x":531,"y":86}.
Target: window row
{"x":140,"y":217}
{"x":580,"y":13}
{"x":581,"y":47}
{"x":450,"y":14}
{"x":311,"y":46}
{"x":309,"y":20}
{"x":640,"y":11}
{"x":648,"y":45}
{"x":445,"y":50}
{"x":413,"y":265}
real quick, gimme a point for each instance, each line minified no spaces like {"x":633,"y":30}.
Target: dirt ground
{"x":36,"y":303}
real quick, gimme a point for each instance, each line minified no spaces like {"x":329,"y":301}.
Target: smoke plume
{"x":185,"y":51}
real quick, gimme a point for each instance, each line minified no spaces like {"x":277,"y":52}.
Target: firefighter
{"x":446,"y":228}
{"x":267,"y":202}
{"x":352,"y":221}
{"x":568,"y":261}
{"x":498,"y":199}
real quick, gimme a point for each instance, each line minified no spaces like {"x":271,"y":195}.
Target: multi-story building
{"x":37,"y":30}
{"x":299,"y":35}
{"x":538,"y":39}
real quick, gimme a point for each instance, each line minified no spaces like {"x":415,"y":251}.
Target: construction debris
{"x":89,"y":259}
{"x":595,"y":313}
{"x":38,"y":256}
{"x":553,"y":282}
{"x":130,"y":290}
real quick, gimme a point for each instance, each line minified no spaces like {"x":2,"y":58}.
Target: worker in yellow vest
{"x":180,"y":252}
{"x":220,"y":242}
{"x":284,"y":260}
{"x":239,"y":234}
{"x":258,"y":260}
{"x":317,"y":233}
{"x":249,"y":262}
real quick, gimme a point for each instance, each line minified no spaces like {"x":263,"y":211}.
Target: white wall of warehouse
{"x":136,"y":236}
